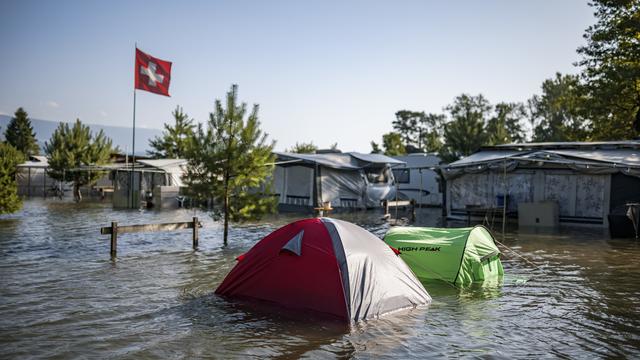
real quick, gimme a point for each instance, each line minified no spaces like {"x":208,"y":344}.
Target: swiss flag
{"x":152,"y":74}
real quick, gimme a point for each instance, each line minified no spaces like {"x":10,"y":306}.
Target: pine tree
{"x":230,"y":162}
{"x":375,"y":148}
{"x":10,"y":157}
{"x":304,"y":148}
{"x":71,"y":148}
{"x":173,"y":142}
{"x":20,"y":134}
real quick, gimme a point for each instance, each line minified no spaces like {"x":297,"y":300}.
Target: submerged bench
{"x":114,"y":230}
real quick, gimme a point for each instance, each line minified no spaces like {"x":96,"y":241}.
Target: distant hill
{"x":121,"y":136}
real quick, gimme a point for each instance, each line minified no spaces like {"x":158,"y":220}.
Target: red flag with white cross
{"x":152,"y":74}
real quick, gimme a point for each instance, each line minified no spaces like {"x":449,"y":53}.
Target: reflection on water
{"x":61,"y":296}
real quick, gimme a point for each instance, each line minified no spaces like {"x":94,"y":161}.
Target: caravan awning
{"x":341,"y":161}
{"x":594,"y":158}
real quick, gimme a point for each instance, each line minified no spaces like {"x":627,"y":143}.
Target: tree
{"x":20,"y":134}
{"x":10,"y":157}
{"x":431,"y":132}
{"x":304,"y":148}
{"x":406,"y":125}
{"x":465,"y":133}
{"x":375,"y":148}
{"x":173,"y":142}
{"x":505,"y":126}
{"x":70,"y":148}
{"x":230,"y":161}
{"x":558,"y":114}
{"x":611,"y":63}
{"x":393,"y":145}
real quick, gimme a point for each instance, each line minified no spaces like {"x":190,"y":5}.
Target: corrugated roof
{"x":483,"y":156}
{"x":614,"y":157}
{"x":347,"y":161}
{"x":35,"y":161}
{"x":617,"y":156}
{"x":376,"y":158}
{"x":334,"y":160}
{"x":634,"y":144}
{"x":163,"y":164}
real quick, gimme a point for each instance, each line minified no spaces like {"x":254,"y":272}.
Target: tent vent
{"x":295,"y":244}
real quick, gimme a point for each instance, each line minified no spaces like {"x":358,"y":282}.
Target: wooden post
{"x":420,"y":194}
{"x":44,"y":184}
{"x":29,"y":183}
{"x":504,"y":199}
{"x":413,"y":209}
{"x":195,"y":232}
{"x":397,"y":188}
{"x":114,"y":238}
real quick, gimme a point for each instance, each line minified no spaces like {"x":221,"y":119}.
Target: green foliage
{"x":20,"y":134}
{"x":505,"y":126}
{"x":70,"y":148}
{"x":603,"y":103}
{"x":611,"y":63}
{"x":432,"y":131}
{"x":406,"y":125}
{"x":558,"y":114}
{"x":304,"y":148}
{"x":230,"y":160}
{"x":465,"y":133}
{"x":375,"y":148}
{"x":10,"y":157}
{"x":173,"y":143}
{"x":393,"y":145}
{"x":419,"y":132}
{"x":472,"y":122}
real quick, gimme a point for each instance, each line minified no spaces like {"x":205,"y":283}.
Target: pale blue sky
{"x":322,"y":71}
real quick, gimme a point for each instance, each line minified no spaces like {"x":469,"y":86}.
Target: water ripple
{"x":62,"y":296}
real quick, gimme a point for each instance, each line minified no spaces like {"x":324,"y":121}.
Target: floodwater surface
{"x":62,"y":296}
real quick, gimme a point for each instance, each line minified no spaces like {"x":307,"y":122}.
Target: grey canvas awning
{"x":592,"y":158}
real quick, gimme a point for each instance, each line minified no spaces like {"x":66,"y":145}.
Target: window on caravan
{"x":402,"y":176}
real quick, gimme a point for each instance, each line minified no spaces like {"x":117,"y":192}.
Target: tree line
{"x":68,"y":149}
{"x":601,"y":102}
{"x":230,"y":159}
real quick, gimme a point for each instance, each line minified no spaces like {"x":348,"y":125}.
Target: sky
{"x":321,"y":71}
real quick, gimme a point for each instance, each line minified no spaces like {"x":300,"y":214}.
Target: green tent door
{"x":460,"y":256}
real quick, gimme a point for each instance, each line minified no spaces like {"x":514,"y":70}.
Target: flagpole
{"x":133,"y":147}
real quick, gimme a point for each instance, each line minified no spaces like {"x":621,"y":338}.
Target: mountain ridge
{"x":119,"y":135}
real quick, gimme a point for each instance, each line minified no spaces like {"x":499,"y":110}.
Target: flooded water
{"x":62,"y":296}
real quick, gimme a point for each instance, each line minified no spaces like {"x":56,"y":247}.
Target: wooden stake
{"x":195,"y":232}
{"x":114,"y":238}
{"x":413,"y":210}
{"x":504,"y":200}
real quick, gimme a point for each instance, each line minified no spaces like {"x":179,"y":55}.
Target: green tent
{"x":459,"y":256}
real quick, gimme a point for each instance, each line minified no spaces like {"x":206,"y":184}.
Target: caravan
{"x":346,"y":180}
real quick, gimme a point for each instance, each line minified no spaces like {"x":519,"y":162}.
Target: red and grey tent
{"x":329,"y":266}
